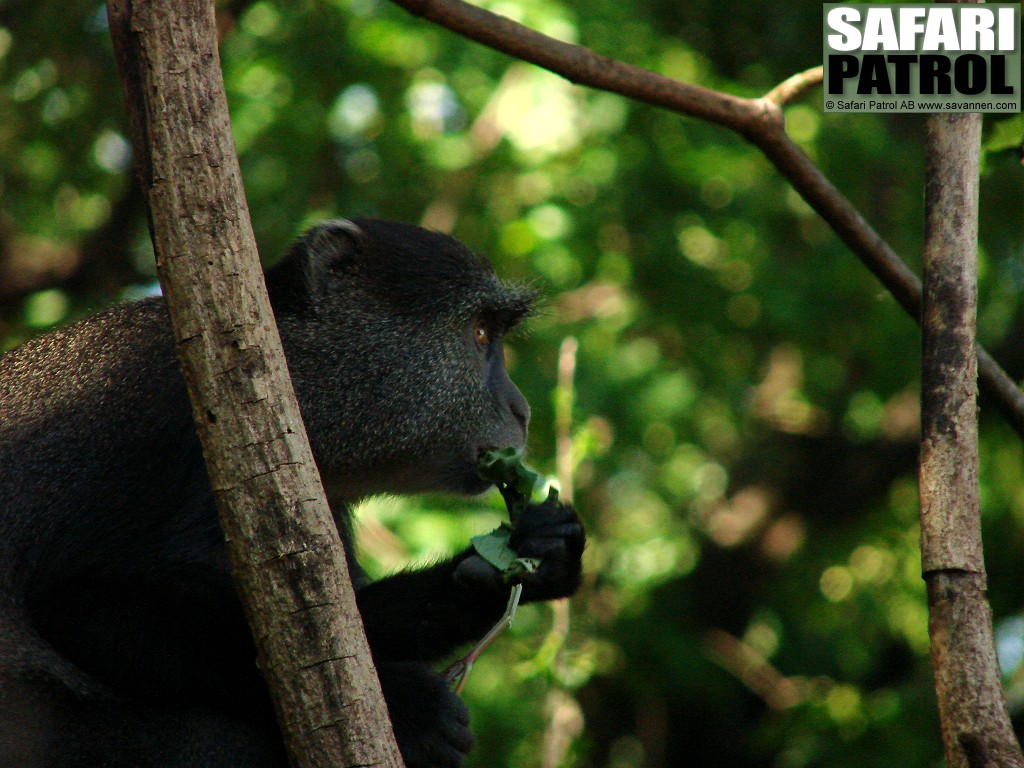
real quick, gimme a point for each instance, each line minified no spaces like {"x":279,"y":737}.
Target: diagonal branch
{"x":287,"y":558}
{"x":584,"y":67}
{"x":581,"y":65}
{"x":760,"y":121}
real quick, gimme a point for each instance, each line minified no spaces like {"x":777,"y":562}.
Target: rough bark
{"x":284,"y":548}
{"x":976,"y":729}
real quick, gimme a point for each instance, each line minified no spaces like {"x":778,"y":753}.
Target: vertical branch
{"x":564,"y":716}
{"x":565,"y":395}
{"x":975,"y":727}
{"x":285,"y":552}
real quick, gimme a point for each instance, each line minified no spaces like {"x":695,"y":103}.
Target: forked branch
{"x":760,"y":121}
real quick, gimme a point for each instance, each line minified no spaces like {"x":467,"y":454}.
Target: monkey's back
{"x":93,"y":422}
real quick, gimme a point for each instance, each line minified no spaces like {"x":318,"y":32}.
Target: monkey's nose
{"x":520,"y":409}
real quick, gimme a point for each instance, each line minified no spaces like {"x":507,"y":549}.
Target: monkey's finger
{"x":561,"y":530}
{"x":553,"y":548}
{"x":476,"y":572}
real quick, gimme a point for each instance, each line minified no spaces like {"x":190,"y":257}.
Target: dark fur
{"x":122,"y":642}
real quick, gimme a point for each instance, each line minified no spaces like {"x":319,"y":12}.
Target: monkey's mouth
{"x":469,"y":482}
{"x":482,"y":458}
{"x":519,"y":449}
{"x":473,"y":483}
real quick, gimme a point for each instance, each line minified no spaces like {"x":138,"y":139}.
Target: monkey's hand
{"x":431,"y":723}
{"x":550,"y":531}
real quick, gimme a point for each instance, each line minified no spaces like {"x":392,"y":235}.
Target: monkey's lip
{"x":478,"y":484}
{"x":481,"y":484}
{"x":491,"y":447}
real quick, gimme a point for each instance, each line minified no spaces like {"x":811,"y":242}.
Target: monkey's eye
{"x":482,"y":335}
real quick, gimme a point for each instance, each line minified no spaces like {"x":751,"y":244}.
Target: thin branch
{"x":565,"y":718}
{"x":752,"y":669}
{"x":457,"y":673}
{"x":581,"y":65}
{"x":793,"y":88}
{"x":565,"y":395}
{"x":760,"y":121}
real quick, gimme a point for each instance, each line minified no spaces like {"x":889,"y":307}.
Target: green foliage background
{"x":745,"y":400}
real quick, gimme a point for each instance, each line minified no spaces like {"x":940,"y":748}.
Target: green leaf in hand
{"x":516,"y":482}
{"x":493,"y":547}
{"x":514,"y":479}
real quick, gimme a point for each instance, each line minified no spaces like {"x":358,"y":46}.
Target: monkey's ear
{"x":329,"y":235}
{"x":304,"y":274}
{"x":330,"y":246}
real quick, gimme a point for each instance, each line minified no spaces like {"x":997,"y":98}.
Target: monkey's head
{"x":393,"y":336}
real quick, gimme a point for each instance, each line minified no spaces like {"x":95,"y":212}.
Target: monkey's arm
{"x":426,"y":614}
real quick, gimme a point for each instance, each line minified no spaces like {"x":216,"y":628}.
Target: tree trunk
{"x":284,"y":548}
{"x":976,"y":730}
